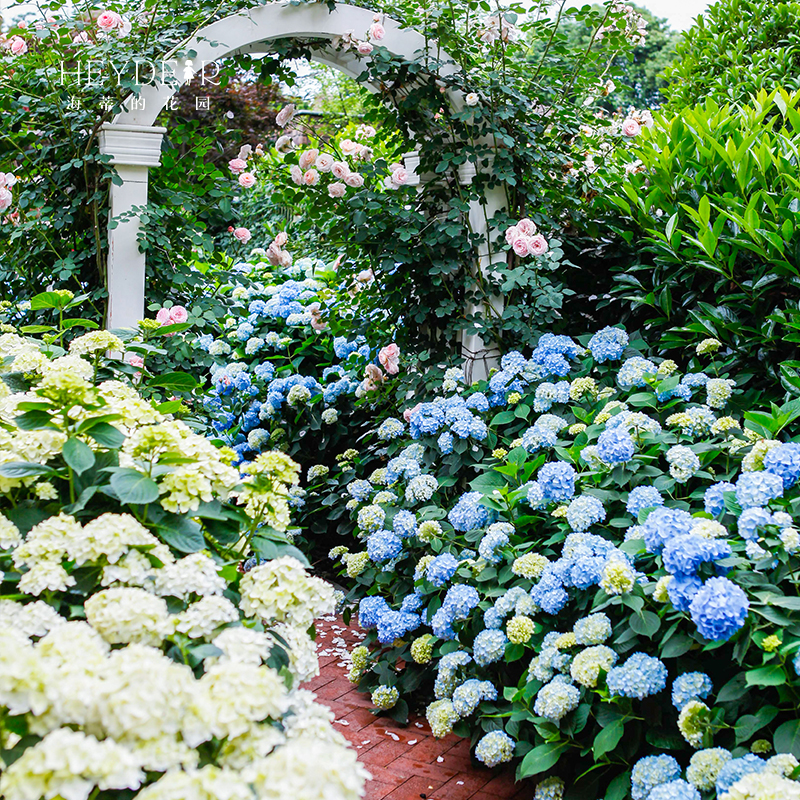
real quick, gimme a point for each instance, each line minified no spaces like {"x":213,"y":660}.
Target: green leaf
{"x":608,"y":738}
{"x":645,"y":624}
{"x":618,"y":788}
{"x":24,"y":469}
{"x":178,"y":381}
{"x":106,"y":435}
{"x":787,"y":738}
{"x":48,"y":300}
{"x":78,"y":455}
{"x":747,"y":725}
{"x":134,"y":488}
{"x":181,"y":533}
{"x":79,"y":323}
{"x":540,"y":759}
{"x":771,"y":675}
{"x":35,"y":420}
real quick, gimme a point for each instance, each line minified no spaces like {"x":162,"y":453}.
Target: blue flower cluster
{"x":375,"y":612}
{"x":719,"y":609}
{"x":458,"y":602}
{"x":608,"y":344}
{"x":585,"y":511}
{"x":451,"y":413}
{"x":758,"y":488}
{"x":690,"y":686}
{"x":615,"y":446}
{"x":643,"y":497}
{"x":441,"y":569}
{"x":384,"y":546}
{"x":549,"y":393}
{"x":496,"y":537}
{"x":544,"y":433}
{"x":639,"y":677}
{"x":784,"y":460}
{"x":557,"y":481}
{"x":468,"y":513}
{"x":468,"y":696}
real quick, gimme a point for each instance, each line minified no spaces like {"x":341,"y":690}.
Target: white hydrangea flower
{"x":128,"y":614}
{"x":202,"y":618}
{"x":244,"y":645}
{"x":33,"y":619}
{"x":194,"y":574}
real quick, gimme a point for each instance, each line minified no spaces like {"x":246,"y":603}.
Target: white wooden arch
{"x":134,"y":143}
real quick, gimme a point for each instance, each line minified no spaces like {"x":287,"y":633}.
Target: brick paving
{"x":406,"y":761}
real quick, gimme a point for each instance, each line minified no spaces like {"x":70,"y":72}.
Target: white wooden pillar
{"x":133,"y":150}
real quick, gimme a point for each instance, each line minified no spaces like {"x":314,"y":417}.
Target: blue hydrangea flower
{"x":404,"y":524}
{"x":557,"y":481}
{"x":735,"y":769}
{"x":384,"y":546}
{"x":719,"y":609}
{"x":751,"y":520}
{"x":468,"y":513}
{"x":396,"y":624}
{"x":784,"y":460}
{"x":684,"y":553}
{"x":556,"y":699}
{"x":359,"y":490}
{"x":411,"y":603}
{"x":442,"y":625}
{"x":652,"y":771}
{"x":535,"y":495}
{"x":391,"y":428}
{"x":643,"y":497}
{"x":690,"y":686}
{"x":664,"y":523}
{"x":713,"y":499}
{"x":496,"y":537}
{"x":468,"y":696}
{"x":758,"y":488}
{"x":608,"y":344}
{"x":682,"y":590}
{"x":635,"y":371}
{"x":585,"y":511}
{"x":694,"y":380}
{"x":370,"y":610}
{"x":441,"y":569}
{"x":477,"y":402}
{"x":489,"y":646}
{"x":549,"y":594}
{"x":445,"y":442}
{"x":675,"y":790}
{"x":460,"y":600}
{"x":615,"y":446}
{"x":639,"y":677}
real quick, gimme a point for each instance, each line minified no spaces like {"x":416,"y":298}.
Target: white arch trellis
{"x":134,"y":143}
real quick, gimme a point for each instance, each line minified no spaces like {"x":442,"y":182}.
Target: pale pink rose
{"x":297,"y":174}
{"x":310,"y":177}
{"x":631,"y":128}
{"x":284,"y":144}
{"x":281,"y":238}
{"x":134,"y":360}
{"x":237,"y":165}
{"x":245,"y":151}
{"x":512,"y":233}
{"x":81,"y":38}
{"x":537,"y":245}
{"x":126,"y":27}
{"x":366,"y":131}
{"x":162,"y":317}
{"x":354,"y":180}
{"x":373,"y":377}
{"x":336,"y":190}
{"x":389,"y":357}
{"x":526,"y":227}
{"x":285,"y":258}
{"x":340,"y":170}
{"x":274,"y":254}
{"x":348,"y":147}
{"x":17,"y":45}
{"x":285,"y":115}
{"x":472,"y":99}
{"x":317,"y":323}
{"x":9,"y":179}
{"x":243,"y":235}
{"x":409,"y":411}
{"x":364,"y":48}
{"x":178,"y":314}
{"x":6,"y":198}
{"x":324,"y":162}
{"x":365,"y":276}
{"x":308,"y":158}
{"x":520,"y":246}
{"x":377,"y":31}
{"x":400,"y":176}
{"x":387,"y":182}
{"x":396,"y":165}
{"x":109,"y":20}
{"x":247,"y":180}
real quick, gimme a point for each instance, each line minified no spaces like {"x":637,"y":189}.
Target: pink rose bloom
{"x":377,"y":31}
{"x":297,"y":174}
{"x":274,"y":254}
{"x":324,"y":162}
{"x":340,"y":170}
{"x":354,"y":180}
{"x":163,"y":316}
{"x":284,"y":144}
{"x":285,"y":258}
{"x":526,"y":227}
{"x":409,"y":411}
{"x":387,"y":182}
{"x":400,"y":176}
{"x":134,"y":360}
{"x":237,"y":165}
{"x":109,"y":20}
{"x":243,"y":235}
{"x":373,"y":377}
{"x":81,"y":38}
{"x":364,"y":48}
{"x":396,"y":165}
{"x":178,"y":314}
{"x":348,"y":146}
{"x":17,"y":45}
{"x":281,"y":238}
{"x":389,"y":357}
{"x":247,"y":180}
{"x":285,"y":115}
{"x":365,"y":276}
{"x":311,"y":177}
{"x":512,"y":233}
{"x":520,"y":246}
{"x":317,"y":323}
{"x":6,"y":198}
{"x":9,"y":179}
{"x":336,"y":190}
{"x":308,"y":158}
{"x":537,"y":245}
{"x":631,"y":128}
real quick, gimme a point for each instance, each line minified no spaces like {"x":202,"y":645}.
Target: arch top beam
{"x":253,"y":29}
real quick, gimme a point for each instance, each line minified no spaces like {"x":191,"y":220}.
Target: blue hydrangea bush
{"x":589,"y":563}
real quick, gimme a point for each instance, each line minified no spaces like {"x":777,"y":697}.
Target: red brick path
{"x":406,"y":762}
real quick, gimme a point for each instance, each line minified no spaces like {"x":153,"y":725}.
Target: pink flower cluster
{"x":312,"y":165}
{"x":497,"y":28}
{"x":524,"y":239}
{"x":241,"y":234}
{"x":397,"y":177}
{"x":172,"y":316}
{"x":16,"y":45}
{"x":7,"y":180}
{"x":389,"y":358}
{"x":364,"y":47}
{"x":632,"y":125}
{"x":276,"y":255}
{"x":109,"y":21}
{"x":238,"y":166}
